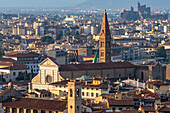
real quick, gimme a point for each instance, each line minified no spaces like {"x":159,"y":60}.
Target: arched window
{"x":71,"y":93}
{"x":28,"y":111}
{"x":92,"y":94}
{"x":35,"y":111}
{"x":14,"y":110}
{"x":42,"y":111}
{"x":48,"y":79}
{"x":78,"y":92}
{"x":21,"y":110}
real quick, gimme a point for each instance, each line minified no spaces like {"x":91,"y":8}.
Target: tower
{"x":105,"y":41}
{"x":74,"y":97}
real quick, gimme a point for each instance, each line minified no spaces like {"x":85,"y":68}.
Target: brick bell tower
{"x":105,"y":41}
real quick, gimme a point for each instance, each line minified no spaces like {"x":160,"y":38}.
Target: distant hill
{"x":120,"y":4}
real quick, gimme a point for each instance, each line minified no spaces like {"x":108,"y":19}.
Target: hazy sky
{"x":39,"y":3}
{"x":66,"y":3}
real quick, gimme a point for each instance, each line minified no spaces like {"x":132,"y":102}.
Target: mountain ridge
{"x":121,"y":4}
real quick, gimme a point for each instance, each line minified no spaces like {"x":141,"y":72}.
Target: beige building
{"x":159,"y":87}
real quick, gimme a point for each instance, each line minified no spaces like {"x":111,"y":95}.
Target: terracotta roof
{"x":99,"y":106}
{"x":12,"y":66}
{"x":130,"y":39}
{"x":72,"y":67}
{"x":164,"y":109}
{"x":148,"y":108}
{"x":157,"y":83}
{"x":146,"y":94}
{"x":30,"y":54}
{"x":38,"y":104}
{"x":113,"y":102}
{"x":7,"y":59}
{"x":166,"y":103}
{"x":65,"y":82}
{"x":126,"y":111}
{"x":21,"y":83}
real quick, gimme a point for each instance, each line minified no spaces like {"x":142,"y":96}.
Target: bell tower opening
{"x":74,"y":97}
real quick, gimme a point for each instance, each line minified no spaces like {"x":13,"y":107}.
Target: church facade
{"x":51,"y":72}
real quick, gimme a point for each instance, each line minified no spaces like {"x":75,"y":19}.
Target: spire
{"x":105,"y":24}
{"x":105,"y":41}
{"x":105,"y":11}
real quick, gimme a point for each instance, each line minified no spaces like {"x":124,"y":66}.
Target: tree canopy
{"x":1,"y":52}
{"x":160,"y":51}
{"x":48,"y":39}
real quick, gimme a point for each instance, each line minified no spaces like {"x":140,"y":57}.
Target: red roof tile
{"x":30,"y":54}
{"x":38,"y":104}
{"x":113,"y":102}
{"x":148,"y":108}
{"x":71,"y":67}
{"x":157,"y":83}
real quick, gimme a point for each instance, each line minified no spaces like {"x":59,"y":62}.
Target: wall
{"x":110,"y":73}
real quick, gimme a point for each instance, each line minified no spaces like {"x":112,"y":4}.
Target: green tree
{"x":20,"y":76}
{"x":1,"y":78}
{"x":48,"y":39}
{"x":161,"y":52}
{"x":1,"y":52}
{"x":32,"y":74}
{"x":25,"y":75}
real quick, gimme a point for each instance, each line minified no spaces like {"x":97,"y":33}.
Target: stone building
{"x":51,"y":72}
{"x":155,"y":71}
{"x":105,"y":41}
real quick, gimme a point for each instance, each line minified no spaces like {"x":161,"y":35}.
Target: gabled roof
{"x":37,"y":104}
{"x":20,"y":55}
{"x":49,"y":58}
{"x":164,"y":109}
{"x":146,"y":94}
{"x":7,"y":59}
{"x":113,"y":102}
{"x":92,"y":66}
{"x":148,"y":108}
{"x":157,"y":83}
{"x":166,"y":103}
{"x":12,"y":66}
{"x":89,"y":85}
